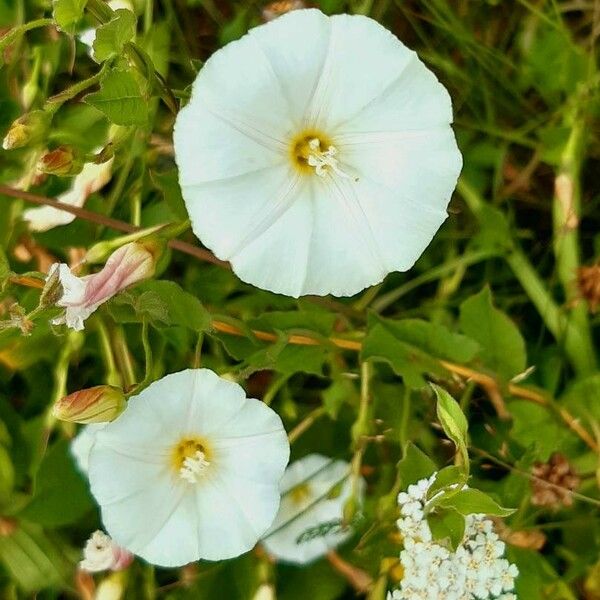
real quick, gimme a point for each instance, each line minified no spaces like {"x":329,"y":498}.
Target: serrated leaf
{"x":120,"y":99}
{"x":502,"y":346}
{"x":112,"y":36}
{"x":453,"y":422}
{"x":68,"y":13}
{"x":471,"y":501}
{"x":414,"y":466}
{"x":447,"y":525}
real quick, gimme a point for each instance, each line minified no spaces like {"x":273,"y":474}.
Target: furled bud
{"x":280,"y":7}
{"x":29,"y":129}
{"x":130,"y":264}
{"x":99,"y":404}
{"x":61,"y":161}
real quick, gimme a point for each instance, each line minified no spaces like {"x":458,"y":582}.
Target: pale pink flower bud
{"x":102,"y":554}
{"x":99,"y":404}
{"x":81,"y":296}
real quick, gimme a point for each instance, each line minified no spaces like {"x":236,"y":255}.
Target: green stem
{"x":147,"y":353}
{"x":566,"y":210}
{"x":16,"y":32}
{"x":112,"y":374}
{"x":565,"y":332}
{"x":55,"y":102}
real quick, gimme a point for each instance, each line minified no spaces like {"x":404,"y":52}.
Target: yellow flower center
{"x":190,"y":459}
{"x":300,"y":493}
{"x":312,"y":153}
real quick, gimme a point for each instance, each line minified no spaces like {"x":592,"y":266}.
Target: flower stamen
{"x":193,"y":467}
{"x":324,"y":162}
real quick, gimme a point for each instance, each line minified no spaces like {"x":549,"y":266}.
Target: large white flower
{"x":316,"y":154}
{"x":314,"y":491}
{"x":190,"y":470}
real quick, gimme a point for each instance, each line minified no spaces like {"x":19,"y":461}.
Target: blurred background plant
{"x":501,"y":310}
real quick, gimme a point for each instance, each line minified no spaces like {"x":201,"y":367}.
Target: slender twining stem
{"x":55,"y":102}
{"x":305,"y":424}
{"x":88,"y":215}
{"x":16,"y":32}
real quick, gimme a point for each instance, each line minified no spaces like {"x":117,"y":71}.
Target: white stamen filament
{"x":193,"y":467}
{"x":323,"y":161}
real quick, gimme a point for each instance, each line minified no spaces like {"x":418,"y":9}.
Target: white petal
{"x":253,"y":446}
{"x":296,"y":67}
{"x":233,"y":515}
{"x":209,"y":148}
{"x":404,"y":190}
{"x":415,"y":100}
{"x":226,"y":213}
{"x":364,"y":59}
{"x":319,"y":474}
{"x":44,"y":218}
{"x":82,"y":443}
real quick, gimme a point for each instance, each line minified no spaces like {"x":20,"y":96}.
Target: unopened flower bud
{"x":61,"y":161}
{"x":29,"y":129}
{"x":99,"y":404}
{"x":129,"y":264}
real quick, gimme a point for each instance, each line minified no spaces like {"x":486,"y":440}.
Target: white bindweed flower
{"x":316,"y":154}
{"x":92,"y":178}
{"x":102,"y":554}
{"x":190,"y":470}
{"x":314,"y":491}
{"x":81,"y":296}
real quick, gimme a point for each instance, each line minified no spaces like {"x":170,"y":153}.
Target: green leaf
{"x":7,"y":476}
{"x":112,"y":36}
{"x":472,"y":501}
{"x":407,"y":360}
{"x":453,"y":422}
{"x":61,"y":494}
{"x":68,"y":13}
{"x":502,"y":346}
{"x":339,"y":392}
{"x":34,"y":559}
{"x":168,"y":184}
{"x":447,"y":477}
{"x":414,"y":466}
{"x":447,"y":525}
{"x":433,"y":338}
{"x":163,"y":302}
{"x":120,"y":99}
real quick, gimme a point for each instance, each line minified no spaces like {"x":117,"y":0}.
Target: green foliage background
{"x":492,"y":311}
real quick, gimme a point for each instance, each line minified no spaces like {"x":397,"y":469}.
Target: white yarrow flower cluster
{"x":476,"y":570}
